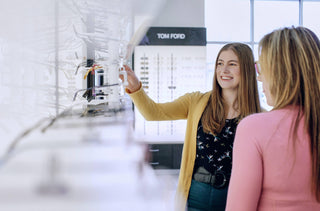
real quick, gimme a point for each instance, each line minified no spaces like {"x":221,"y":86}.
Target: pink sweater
{"x":268,"y":174}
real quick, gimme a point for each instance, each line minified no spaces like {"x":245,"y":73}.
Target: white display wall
{"x":58,"y":151}
{"x":166,"y":73}
{"x":43,"y":51}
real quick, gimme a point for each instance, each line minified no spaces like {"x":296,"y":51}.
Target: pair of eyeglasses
{"x":258,"y":68}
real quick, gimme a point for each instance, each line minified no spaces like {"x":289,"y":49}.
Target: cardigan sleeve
{"x":247,"y":170}
{"x":177,"y":109}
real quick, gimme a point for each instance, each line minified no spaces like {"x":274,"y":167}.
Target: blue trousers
{"x":204,"y":197}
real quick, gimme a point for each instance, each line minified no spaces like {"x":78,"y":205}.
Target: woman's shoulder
{"x":264,"y":120}
{"x":272,"y":114}
{"x":262,"y":116}
{"x":198,"y":95}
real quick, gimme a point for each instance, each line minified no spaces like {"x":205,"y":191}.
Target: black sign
{"x":175,"y":36}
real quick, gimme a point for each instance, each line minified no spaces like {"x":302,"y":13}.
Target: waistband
{"x":218,"y":180}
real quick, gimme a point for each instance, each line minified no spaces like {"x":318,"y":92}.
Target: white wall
{"x":181,"y":13}
{"x":170,"y":13}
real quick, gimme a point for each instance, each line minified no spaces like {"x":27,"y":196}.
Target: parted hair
{"x":290,"y":61}
{"x":247,"y":102}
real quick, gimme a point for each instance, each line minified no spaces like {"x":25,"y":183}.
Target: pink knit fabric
{"x":269,"y":172}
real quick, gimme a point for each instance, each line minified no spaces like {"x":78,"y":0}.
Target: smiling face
{"x":228,"y":70}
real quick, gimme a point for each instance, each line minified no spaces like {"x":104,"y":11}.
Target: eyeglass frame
{"x":257,"y":67}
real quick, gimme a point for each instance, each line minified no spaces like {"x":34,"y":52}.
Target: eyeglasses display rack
{"x":169,"y":63}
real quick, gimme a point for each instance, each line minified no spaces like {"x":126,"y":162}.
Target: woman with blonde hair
{"x":276,"y":156}
{"x":212,"y":119}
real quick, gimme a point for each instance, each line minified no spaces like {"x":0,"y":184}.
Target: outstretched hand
{"x":133,"y":81}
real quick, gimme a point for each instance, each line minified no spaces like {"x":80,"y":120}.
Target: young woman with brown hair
{"x":212,"y":119}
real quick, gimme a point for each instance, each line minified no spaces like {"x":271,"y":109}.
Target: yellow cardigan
{"x":189,"y":106}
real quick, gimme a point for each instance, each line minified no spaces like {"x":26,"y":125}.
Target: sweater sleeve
{"x":247,"y":170}
{"x":177,"y":109}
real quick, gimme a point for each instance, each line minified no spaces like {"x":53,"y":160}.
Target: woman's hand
{"x":133,"y":81}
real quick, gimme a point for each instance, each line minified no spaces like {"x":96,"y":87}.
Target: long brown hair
{"x":247,"y":102}
{"x":290,"y":61}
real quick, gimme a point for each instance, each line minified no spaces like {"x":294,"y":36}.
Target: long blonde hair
{"x":247,"y":102}
{"x":290,"y":61}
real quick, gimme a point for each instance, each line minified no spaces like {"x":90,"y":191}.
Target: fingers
{"x":127,"y":68}
{"x":124,"y":68}
{"x":121,"y":76}
{"x":133,"y":81}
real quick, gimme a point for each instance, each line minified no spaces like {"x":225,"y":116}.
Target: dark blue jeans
{"x":204,"y":197}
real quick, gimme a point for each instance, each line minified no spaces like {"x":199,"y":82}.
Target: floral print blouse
{"x":214,"y":153}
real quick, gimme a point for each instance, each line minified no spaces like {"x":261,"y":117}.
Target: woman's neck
{"x":232,"y":114}
{"x":229,"y":97}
